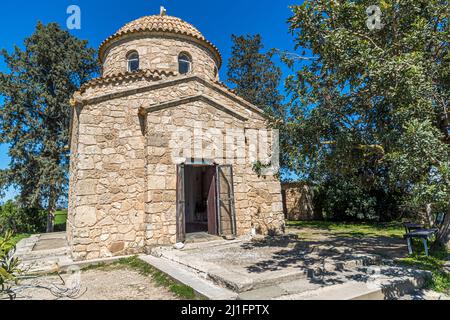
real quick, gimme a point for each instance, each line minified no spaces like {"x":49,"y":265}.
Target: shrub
{"x":9,"y":266}
{"x":344,"y":199}
{"x":21,"y":220}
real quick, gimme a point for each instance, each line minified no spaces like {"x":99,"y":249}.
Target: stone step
{"x":385,"y":283}
{"x":350,"y":262}
{"x":229,"y":279}
{"x":192,"y":246}
{"x":36,"y":255}
{"x":279,"y":290}
{"x":26,"y":245}
{"x":45,"y":267}
{"x":360,"y":278}
{"x":239,"y":283}
{"x":44,"y":259}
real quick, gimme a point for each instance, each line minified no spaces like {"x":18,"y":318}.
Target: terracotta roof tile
{"x":161,"y":24}
{"x":126,"y":76}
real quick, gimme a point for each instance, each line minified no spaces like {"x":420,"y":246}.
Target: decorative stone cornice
{"x":170,"y":104}
{"x":172,"y":80}
{"x":154,"y":75}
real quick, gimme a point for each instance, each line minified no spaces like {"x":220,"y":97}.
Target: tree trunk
{"x":50,"y":221}
{"x":51,"y":213}
{"x":443,"y":236}
{"x":429,"y":215}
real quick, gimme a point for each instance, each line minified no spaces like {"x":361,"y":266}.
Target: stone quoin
{"x":130,"y":187}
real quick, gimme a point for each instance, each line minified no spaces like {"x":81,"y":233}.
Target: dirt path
{"x":382,"y":245}
{"x":108,"y":283}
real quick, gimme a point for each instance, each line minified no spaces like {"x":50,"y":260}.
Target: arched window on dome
{"x":184,"y":63}
{"x":133,"y":61}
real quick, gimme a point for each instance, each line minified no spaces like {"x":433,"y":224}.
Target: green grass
{"x":161,"y":279}
{"x":440,"y":279}
{"x":350,"y":229}
{"x":60,"y":220}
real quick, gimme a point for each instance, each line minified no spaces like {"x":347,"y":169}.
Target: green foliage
{"x":9,"y":266}
{"x":347,"y":201}
{"x":61,"y":217}
{"x":422,"y":167}
{"x":258,"y":167}
{"x":21,"y":220}
{"x":254,"y":75}
{"x":440,"y":279}
{"x":35,"y":113}
{"x":367,"y":107}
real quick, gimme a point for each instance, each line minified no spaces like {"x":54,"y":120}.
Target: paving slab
{"x":51,"y":242}
{"x":201,"y":237}
{"x":53,"y":235}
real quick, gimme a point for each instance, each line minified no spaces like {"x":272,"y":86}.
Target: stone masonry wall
{"x":298,"y":202}
{"x":73,"y":177}
{"x":107,"y":199}
{"x":123,"y":183}
{"x":258,"y":200}
{"x":159,"y":53}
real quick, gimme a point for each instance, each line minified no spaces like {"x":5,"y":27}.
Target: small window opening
{"x":184,"y":64}
{"x":133,"y":62}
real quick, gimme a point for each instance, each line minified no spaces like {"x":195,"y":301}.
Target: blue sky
{"x":216,"y":19}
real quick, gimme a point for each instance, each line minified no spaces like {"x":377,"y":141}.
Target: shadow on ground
{"x":328,"y":258}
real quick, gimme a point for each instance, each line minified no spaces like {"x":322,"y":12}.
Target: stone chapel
{"x":130,"y":186}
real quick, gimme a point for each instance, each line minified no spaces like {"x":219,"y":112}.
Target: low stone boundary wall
{"x":298,"y":201}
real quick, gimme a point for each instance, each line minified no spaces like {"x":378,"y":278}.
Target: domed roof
{"x":158,"y":24}
{"x":162,"y":23}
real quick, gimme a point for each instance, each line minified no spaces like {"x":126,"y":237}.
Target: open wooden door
{"x":212,"y":205}
{"x":181,"y":204}
{"x":226,"y":216}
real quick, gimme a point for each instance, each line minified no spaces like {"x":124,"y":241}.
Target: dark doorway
{"x":205,"y":200}
{"x":200,"y":199}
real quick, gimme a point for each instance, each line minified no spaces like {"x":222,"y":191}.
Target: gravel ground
{"x":107,"y":283}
